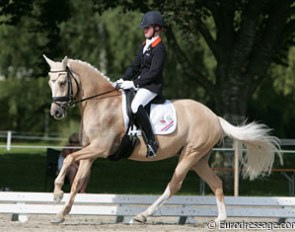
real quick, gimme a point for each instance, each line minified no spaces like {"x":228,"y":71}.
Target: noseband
{"x":69,"y":100}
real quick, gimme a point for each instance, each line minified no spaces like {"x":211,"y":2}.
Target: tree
{"x":19,"y":96}
{"x":275,"y":98}
{"x":99,"y":42}
{"x":245,"y":37}
{"x":224,"y":46}
{"x":34,"y":25}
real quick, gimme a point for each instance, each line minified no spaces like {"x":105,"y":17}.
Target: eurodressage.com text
{"x":269,"y":226}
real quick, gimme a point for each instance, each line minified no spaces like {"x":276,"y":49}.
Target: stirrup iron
{"x":151,"y":150}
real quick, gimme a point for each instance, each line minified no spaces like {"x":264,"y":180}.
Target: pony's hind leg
{"x":206,"y":173}
{"x":184,"y":164}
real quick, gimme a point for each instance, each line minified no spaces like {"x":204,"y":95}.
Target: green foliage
{"x":218,"y":52}
{"x":284,"y":81}
{"x":19,"y":56}
{"x":23,"y":103}
{"x":108,"y":41}
{"x":273,"y":103}
{"x":14,"y":10}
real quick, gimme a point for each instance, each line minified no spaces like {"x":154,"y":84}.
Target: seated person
{"x":72,"y":146}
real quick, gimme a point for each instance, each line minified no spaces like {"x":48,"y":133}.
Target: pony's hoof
{"x":57,"y":220}
{"x":140,"y":218}
{"x":57,"y":197}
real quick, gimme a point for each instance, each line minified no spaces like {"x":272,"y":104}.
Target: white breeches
{"x":142,"y":97}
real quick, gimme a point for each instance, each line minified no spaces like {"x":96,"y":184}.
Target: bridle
{"x":69,"y":100}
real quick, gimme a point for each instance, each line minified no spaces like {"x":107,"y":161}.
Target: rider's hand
{"x":118,"y":83}
{"x":127,"y":85}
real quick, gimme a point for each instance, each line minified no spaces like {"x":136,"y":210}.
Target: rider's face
{"x":148,"y":31}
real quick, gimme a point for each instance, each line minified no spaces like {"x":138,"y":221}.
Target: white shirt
{"x":148,"y":42}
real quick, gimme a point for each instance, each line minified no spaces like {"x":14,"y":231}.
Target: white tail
{"x":259,"y":145}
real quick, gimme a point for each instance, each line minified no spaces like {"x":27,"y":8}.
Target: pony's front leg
{"x":59,"y":181}
{"x":81,"y":176}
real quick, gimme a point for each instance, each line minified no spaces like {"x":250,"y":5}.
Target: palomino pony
{"x":102,"y":128}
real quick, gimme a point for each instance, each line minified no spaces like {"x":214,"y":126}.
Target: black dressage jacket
{"x":146,"y":70}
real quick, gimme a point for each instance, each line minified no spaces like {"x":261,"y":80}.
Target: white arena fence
{"x":125,"y":207}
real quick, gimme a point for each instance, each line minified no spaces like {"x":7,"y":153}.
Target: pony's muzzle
{"x":57,"y":111}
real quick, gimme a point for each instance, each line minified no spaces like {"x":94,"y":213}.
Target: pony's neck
{"x":92,"y":81}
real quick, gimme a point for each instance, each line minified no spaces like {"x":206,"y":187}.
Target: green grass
{"x":25,"y":171}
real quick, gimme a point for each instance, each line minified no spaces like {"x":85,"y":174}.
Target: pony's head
{"x":62,"y":88}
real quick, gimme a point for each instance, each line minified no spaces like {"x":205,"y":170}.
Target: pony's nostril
{"x":57,"y":111}
{"x":58,"y":114}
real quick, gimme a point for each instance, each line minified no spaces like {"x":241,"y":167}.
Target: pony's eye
{"x":62,"y":83}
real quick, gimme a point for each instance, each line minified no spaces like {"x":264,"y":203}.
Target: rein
{"x":94,"y":96}
{"x":69,"y":100}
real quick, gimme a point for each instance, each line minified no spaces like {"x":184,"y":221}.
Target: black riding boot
{"x":143,"y":120}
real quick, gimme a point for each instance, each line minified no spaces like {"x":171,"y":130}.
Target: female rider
{"x":145,"y":75}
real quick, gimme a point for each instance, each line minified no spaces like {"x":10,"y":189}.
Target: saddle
{"x":130,"y":141}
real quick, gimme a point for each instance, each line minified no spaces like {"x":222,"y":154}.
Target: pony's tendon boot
{"x":143,"y":120}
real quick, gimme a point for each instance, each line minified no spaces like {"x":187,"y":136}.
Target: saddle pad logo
{"x":165,"y":123}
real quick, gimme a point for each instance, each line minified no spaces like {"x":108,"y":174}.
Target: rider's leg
{"x":141,"y":99}
{"x":143,"y":120}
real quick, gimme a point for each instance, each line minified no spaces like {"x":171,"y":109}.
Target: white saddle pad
{"x":163,"y":118}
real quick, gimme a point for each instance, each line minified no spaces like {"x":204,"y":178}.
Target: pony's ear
{"x":65,"y":62}
{"x":49,"y":61}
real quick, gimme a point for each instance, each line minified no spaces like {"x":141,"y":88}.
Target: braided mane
{"x":83,"y":63}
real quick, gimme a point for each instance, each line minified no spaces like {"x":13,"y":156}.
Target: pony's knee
{"x":68,"y":160}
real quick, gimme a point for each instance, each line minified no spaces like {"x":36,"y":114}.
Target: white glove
{"x":118,"y":83}
{"x":127,"y":85}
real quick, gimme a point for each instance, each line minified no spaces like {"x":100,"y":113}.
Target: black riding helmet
{"x":152,"y":18}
